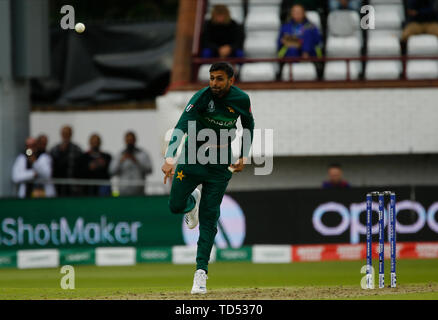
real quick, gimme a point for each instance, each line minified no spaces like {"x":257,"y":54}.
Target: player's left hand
{"x":168,"y":169}
{"x":239,"y":165}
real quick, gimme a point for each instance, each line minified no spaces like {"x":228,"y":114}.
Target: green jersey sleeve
{"x":247,"y":120}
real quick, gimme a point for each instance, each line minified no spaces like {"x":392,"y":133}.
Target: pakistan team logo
{"x":210,"y":107}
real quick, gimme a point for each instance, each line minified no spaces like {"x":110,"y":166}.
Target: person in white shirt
{"x":32,"y":171}
{"x":132,"y":163}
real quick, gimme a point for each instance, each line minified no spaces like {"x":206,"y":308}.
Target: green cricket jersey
{"x":208,"y":111}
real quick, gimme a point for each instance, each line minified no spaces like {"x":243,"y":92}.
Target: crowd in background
{"x":298,"y":37}
{"x":37,"y":171}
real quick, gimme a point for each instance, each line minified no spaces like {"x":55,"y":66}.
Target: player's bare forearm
{"x":168,"y":168}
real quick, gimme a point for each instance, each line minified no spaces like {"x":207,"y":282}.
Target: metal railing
{"x":151,"y":187}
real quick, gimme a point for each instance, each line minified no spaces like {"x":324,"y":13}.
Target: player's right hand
{"x":168,"y":169}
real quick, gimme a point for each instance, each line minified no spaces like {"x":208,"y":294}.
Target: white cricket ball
{"x":79,"y":27}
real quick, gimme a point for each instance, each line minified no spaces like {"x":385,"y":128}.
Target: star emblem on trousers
{"x":180,"y":175}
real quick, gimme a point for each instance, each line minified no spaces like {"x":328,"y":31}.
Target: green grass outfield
{"x":417,"y":279}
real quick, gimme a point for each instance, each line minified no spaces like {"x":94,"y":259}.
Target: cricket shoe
{"x":192,"y":217}
{"x":199,"y":282}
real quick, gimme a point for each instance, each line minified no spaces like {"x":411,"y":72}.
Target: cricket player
{"x":216,"y":108}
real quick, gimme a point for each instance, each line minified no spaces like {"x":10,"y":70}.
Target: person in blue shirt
{"x":335,"y":178}
{"x":299,"y":37}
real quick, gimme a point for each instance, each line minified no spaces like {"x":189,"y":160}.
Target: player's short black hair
{"x":224,"y":66}
{"x":335,"y":165}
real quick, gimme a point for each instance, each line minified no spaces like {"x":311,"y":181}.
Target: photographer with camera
{"x":32,"y":171}
{"x":132,"y":164}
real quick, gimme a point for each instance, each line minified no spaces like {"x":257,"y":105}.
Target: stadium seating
{"x":422,"y":69}
{"x":422,"y":45}
{"x":303,"y":71}
{"x":389,"y":16}
{"x":261,"y":44}
{"x":263,"y":17}
{"x":262,"y":24}
{"x":385,"y":69}
{"x":313,"y":17}
{"x":384,"y":40}
{"x":271,"y":2}
{"x":395,"y":33}
{"x":203,"y":73}
{"x":383,"y":46}
{"x":260,"y":71}
{"x":343,"y":46}
{"x":343,"y":43}
{"x":337,"y":70}
{"x":377,"y":2}
{"x":225,"y":2}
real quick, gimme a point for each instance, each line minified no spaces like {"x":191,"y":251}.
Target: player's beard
{"x":216,"y":92}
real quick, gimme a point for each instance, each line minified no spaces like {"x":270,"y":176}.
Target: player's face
{"x":220,"y":83}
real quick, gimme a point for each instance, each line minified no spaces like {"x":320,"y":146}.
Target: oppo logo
{"x":350,"y":218}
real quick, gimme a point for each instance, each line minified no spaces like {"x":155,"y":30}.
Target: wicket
{"x":392,"y":238}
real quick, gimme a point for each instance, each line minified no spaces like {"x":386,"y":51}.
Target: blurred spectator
{"x":299,"y":37}
{"x":131,"y":164}
{"x":345,"y":5}
{"x":335,"y":178}
{"x":94,"y":164}
{"x":422,"y":17}
{"x":222,"y":36}
{"x":65,"y":162}
{"x":310,"y":5}
{"x":32,"y":171}
{"x":41,"y":144}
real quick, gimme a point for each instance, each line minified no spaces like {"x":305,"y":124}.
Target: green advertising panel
{"x":77,"y":256}
{"x":154,"y":254}
{"x":234,"y":254}
{"x":8,"y":259}
{"x":88,"y":222}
